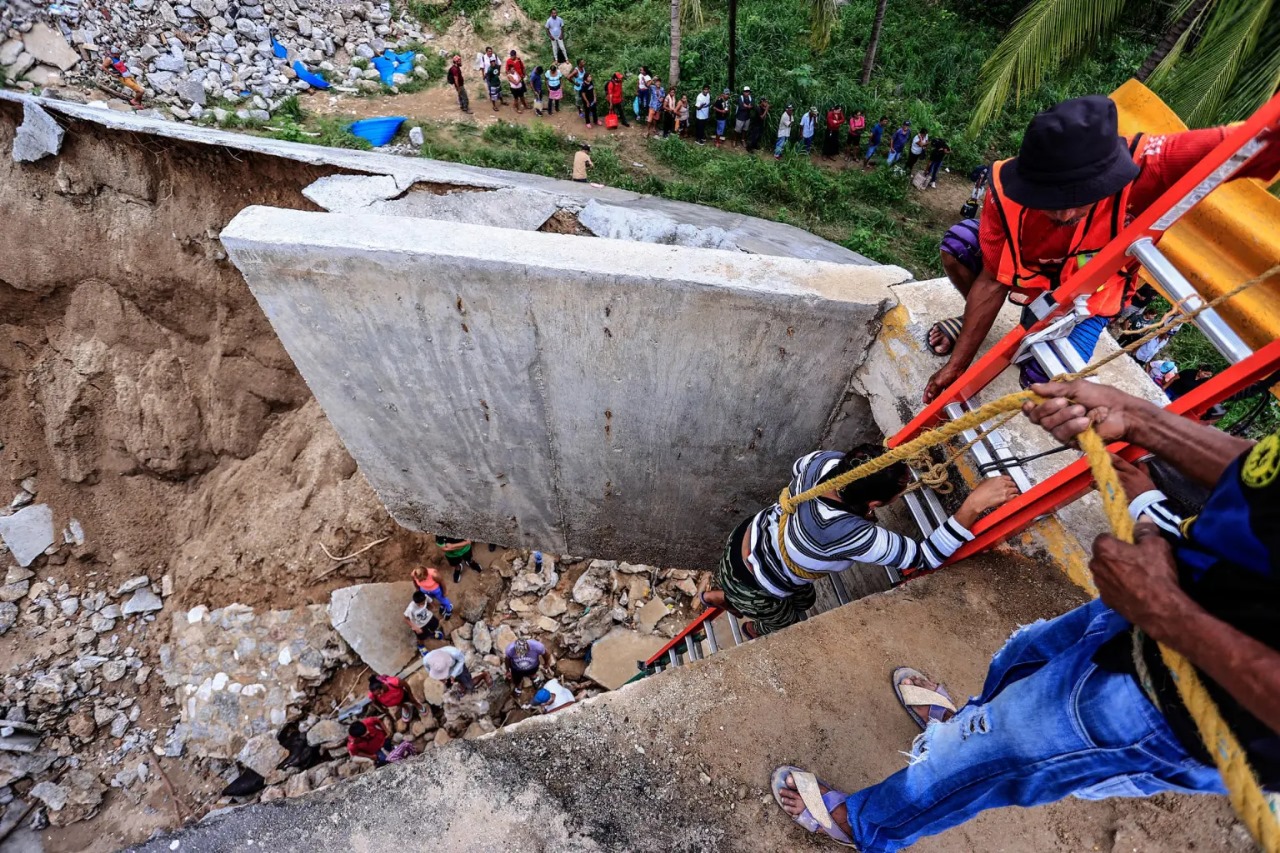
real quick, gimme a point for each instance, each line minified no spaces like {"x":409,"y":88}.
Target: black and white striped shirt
{"x":823,"y":537}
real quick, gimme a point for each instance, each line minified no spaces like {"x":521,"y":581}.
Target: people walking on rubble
{"x":114,"y":63}
{"x":772,"y":583}
{"x":391,"y":694}
{"x":427,"y":579}
{"x":421,"y":619}
{"x":458,"y":554}
{"x":1072,"y":188}
{"x":553,"y":696}
{"x":1083,"y":705}
{"x":524,"y":659}
{"x":449,"y":664}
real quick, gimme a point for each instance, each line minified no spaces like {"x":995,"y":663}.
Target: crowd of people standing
{"x":740,"y":120}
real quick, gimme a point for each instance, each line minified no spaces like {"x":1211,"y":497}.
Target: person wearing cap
{"x":784,"y":130}
{"x":114,"y":63}
{"x":1083,"y":705}
{"x":742,"y":117}
{"x":720,"y":109}
{"x":449,"y":664}
{"x":553,"y":696}
{"x":809,"y":128}
{"x":458,"y":83}
{"x":701,"y":114}
{"x":1162,"y":373}
{"x":1073,"y":187}
{"x":898,"y":142}
{"x":613,"y":93}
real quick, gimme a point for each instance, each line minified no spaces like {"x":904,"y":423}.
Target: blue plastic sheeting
{"x":378,"y":131}
{"x":390,"y":63}
{"x":278,"y":49}
{"x":308,"y":77}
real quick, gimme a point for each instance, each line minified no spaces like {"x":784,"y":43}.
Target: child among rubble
{"x":421,"y":620}
{"x":427,"y":579}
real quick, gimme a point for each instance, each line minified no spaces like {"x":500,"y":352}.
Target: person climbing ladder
{"x":771,"y":582}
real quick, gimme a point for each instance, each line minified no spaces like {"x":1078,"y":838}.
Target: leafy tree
{"x":1217,"y":60}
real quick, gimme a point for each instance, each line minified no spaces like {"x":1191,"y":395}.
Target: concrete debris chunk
{"x":142,"y":601}
{"x":261,"y":754}
{"x":345,"y":193}
{"x":133,"y":584}
{"x":48,"y":46}
{"x":326,"y":733}
{"x":613,"y":658}
{"x":29,"y":531}
{"x":648,"y":616}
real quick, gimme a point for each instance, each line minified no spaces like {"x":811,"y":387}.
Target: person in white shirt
{"x":784,"y":131}
{"x":919,"y":145}
{"x":449,"y":664}
{"x":701,"y":113}
{"x":809,"y":127}
{"x":553,"y":696}
{"x":555,"y":30}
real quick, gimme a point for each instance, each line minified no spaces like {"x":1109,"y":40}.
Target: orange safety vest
{"x":1027,"y":279}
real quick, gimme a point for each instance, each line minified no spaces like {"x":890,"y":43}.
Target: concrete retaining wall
{"x":586,"y":396}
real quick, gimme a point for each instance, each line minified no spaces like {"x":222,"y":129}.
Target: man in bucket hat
{"x":1073,"y":187}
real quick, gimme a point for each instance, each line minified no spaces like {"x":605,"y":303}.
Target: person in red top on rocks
{"x":392,"y":695}
{"x":1075,"y":184}
{"x":367,"y":738}
{"x":613,"y":91}
{"x":514,"y":61}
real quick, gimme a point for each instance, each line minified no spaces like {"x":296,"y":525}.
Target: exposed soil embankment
{"x":142,"y":383}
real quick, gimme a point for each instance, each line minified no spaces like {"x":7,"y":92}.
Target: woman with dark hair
{"x":835,"y":124}
{"x":756,"y":579}
{"x":588,"y":95}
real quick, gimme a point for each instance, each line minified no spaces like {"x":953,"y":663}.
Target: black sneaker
{"x":457,"y":574}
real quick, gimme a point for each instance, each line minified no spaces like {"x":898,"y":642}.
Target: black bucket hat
{"x":1072,"y":155}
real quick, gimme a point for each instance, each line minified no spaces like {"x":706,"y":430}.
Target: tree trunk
{"x":1169,"y":39}
{"x":673,"y":72}
{"x":869,"y":60}
{"x":733,"y":45}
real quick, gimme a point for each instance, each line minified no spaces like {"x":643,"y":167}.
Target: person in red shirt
{"x":459,"y":85}
{"x":392,"y":695}
{"x":835,"y":123}
{"x":367,"y":738}
{"x":514,"y":61}
{"x":613,"y":91}
{"x":1074,"y":185}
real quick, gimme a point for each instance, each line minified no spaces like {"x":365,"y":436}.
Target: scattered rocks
{"x":591,"y":586}
{"x":553,"y":604}
{"x":613,"y":658}
{"x":49,"y":47}
{"x":132,"y":585}
{"x":327,"y":733}
{"x":648,"y":616}
{"x":77,"y":797}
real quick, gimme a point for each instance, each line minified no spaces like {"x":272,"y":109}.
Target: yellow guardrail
{"x":1231,"y":236}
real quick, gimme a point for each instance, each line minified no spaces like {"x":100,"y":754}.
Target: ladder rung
{"x":992,"y":448}
{"x":1184,"y":296}
{"x":673,"y":657}
{"x":711,"y":636}
{"x":837,"y":584}
{"x":735,"y":629}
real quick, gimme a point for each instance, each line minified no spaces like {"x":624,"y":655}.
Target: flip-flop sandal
{"x":950,"y":331}
{"x":816,"y":816}
{"x":939,"y":701}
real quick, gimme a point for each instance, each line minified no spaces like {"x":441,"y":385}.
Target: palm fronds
{"x":1226,"y":63}
{"x":1045,"y":35}
{"x":823,"y":22}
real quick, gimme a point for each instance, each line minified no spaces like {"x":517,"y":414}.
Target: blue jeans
{"x":1049,"y":724}
{"x":438,"y":595}
{"x":933,"y":169}
{"x":782,"y":143}
{"x":893,"y":157}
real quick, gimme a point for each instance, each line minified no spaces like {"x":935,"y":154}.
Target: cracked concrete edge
{"x":766,"y":276}
{"x":754,"y":235}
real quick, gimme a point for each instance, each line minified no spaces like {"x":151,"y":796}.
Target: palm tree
{"x":869,"y":60}
{"x":682,"y":12}
{"x":1219,"y":59}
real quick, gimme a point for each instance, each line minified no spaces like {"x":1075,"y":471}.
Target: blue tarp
{"x":278,"y":49}
{"x":308,"y":77}
{"x":390,"y":63}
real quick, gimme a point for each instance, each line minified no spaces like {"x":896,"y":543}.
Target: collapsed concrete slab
{"x":516,"y":208}
{"x":620,"y":223}
{"x":614,"y":656}
{"x":370,"y":617}
{"x":616,"y":399}
{"x":38,"y":136}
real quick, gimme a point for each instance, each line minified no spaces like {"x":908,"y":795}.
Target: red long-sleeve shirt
{"x":1166,"y":158}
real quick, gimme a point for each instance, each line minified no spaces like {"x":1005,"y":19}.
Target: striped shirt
{"x":824,"y":538}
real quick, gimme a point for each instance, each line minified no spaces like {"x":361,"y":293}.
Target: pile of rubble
{"x":205,"y":57}
{"x":74,"y":704}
